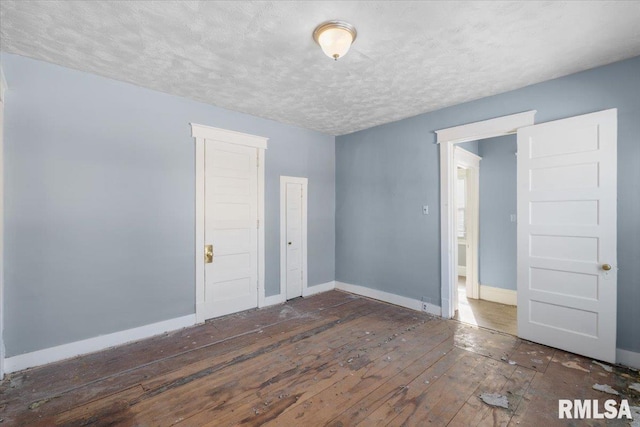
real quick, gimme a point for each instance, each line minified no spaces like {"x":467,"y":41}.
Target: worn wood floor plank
{"x":224,"y":351}
{"x":331,"y":359}
{"x":381,"y":400}
{"x":185,"y":402}
{"x":328,"y":365}
{"x":511,"y":381}
{"x":90,"y":391}
{"x":385,"y":363}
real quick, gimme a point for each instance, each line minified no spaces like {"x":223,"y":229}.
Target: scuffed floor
{"x":331,"y":359}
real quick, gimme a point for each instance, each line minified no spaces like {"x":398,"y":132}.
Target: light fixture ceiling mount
{"x":335,"y":38}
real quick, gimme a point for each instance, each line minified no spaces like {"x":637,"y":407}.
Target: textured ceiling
{"x":259,"y":57}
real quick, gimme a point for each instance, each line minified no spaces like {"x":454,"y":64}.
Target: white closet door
{"x":294,"y":240}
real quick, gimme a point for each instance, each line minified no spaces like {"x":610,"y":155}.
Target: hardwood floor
{"x":332,"y":359}
{"x":487,"y":314}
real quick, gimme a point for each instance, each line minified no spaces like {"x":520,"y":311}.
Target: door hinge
{"x":257,"y":223}
{"x":257,"y":158}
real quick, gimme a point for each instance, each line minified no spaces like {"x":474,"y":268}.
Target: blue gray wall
{"x":471,"y":146}
{"x":99,"y":202}
{"x":385,"y":174}
{"x":498,"y":237}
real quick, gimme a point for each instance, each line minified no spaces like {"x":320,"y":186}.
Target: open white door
{"x":471,"y":163}
{"x":567,"y":189}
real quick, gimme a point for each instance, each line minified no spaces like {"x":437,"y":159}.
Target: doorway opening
{"x":485,"y":222}
{"x":566,"y":233}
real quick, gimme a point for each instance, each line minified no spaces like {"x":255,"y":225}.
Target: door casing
{"x":202,"y":133}
{"x":446,"y":139}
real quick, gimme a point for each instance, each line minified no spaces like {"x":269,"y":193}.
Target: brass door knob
{"x":208,"y":254}
{"x":606,"y":267}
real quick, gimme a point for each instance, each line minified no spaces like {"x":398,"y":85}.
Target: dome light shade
{"x":335,"y":38}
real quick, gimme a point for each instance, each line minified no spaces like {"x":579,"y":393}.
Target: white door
{"x":567,"y":234}
{"x":293,"y":236}
{"x":471,"y":164}
{"x":294,"y":240}
{"x":231,"y":228}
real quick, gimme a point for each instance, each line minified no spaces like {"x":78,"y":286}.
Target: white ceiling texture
{"x":260,"y":58}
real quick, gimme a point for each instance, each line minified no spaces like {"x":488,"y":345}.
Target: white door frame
{"x":201,"y":133}
{"x":447,"y":138}
{"x":3,"y":88}
{"x":470,"y":162}
{"x":284,"y":180}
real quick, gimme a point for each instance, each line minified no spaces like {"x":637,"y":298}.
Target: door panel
{"x":231,"y":215}
{"x":567,"y":233}
{"x":294,"y":239}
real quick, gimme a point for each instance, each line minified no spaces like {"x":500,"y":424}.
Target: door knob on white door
{"x":606,"y":267}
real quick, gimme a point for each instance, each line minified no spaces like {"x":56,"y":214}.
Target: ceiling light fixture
{"x":335,"y":38}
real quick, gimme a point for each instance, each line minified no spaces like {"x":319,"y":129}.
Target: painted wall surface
{"x":471,"y":146}
{"x":385,"y":174}
{"x":498,"y":235}
{"x":99,"y":202}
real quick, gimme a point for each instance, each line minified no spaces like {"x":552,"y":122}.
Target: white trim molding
{"x":284,"y":180}
{"x":499,"y":295}
{"x":316,"y":289}
{"x":229,"y":136}
{"x":3,"y":87}
{"x":273,"y":300}
{"x":201,"y":134}
{"x":628,"y":358}
{"x":90,"y":345}
{"x":499,"y":126}
{"x":447,"y":138}
{"x":390,"y":298}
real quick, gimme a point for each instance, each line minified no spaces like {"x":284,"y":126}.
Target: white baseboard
{"x":316,"y":289}
{"x":502,"y":296}
{"x":273,"y":300}
{"x":628,"y":358}
{"x":411,"y":303}
{"x":90,"y":345}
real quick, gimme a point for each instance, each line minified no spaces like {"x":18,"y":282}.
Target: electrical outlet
{"x":424,"y":306}
{"x":425,"y":210}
